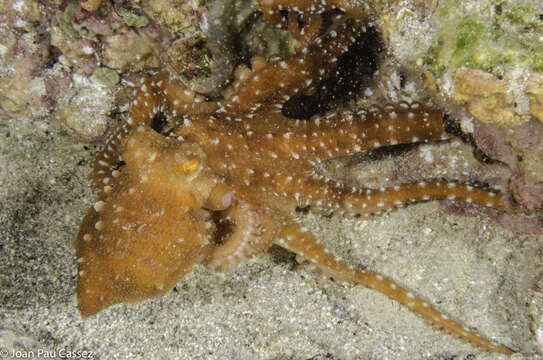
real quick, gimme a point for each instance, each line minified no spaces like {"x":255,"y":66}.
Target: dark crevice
{"x":303,"y":209}
{"x":224,"y":227}
{"x":159,"y":123}
{"x":354,"y":69}
{"x":453,"y":127}
{"x":119,"y":165}
{"x":53,"y":56}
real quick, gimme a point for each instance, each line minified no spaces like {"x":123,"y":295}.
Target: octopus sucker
{"x":226,"y":181}
{"x":248,"y":238}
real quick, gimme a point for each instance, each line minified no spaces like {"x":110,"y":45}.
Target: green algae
{"x":526,"y":16}
{"x":67,"y":23}
{"x":494,"y":38}
{"x":467,"y":34}
{"x":106,"y":77}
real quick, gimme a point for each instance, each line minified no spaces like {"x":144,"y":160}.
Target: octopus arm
{"x":325,"y":196}
{"x":106,"y":161}
{"x":253,"y":232}
{"x":303,"y":243}
{"x":270,"y":84}
{"x":162,"y":92}
{"x":374,"y":201}
{"x":326,"y":137}
{"x":145,"y":105}
{"x":269,"y":7}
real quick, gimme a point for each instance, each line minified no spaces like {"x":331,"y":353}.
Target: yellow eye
{"x":190,"y":165}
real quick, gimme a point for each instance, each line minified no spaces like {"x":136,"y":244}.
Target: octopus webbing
{"x":221,"y":181}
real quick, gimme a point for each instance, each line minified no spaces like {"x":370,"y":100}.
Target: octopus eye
{"x":190,"y":165}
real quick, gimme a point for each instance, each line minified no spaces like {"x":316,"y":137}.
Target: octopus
{"x":185,"y":180}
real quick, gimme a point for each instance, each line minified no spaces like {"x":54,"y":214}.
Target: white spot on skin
{"x":99,"y":225}
{"x":99,"y":206}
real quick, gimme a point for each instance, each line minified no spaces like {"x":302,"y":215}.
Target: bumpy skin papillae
{"x":251,"y":166}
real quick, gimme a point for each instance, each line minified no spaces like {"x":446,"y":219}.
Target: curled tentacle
{"x":253,"y":232}
{"x":220,"y":198}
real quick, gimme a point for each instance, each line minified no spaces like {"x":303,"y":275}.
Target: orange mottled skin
{"x":226,"y":180}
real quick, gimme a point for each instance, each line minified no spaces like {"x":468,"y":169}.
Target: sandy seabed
{"x":270,"y":307}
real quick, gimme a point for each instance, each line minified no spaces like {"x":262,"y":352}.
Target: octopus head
{"x":178,"y":163}
{"x":140,"y":238}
